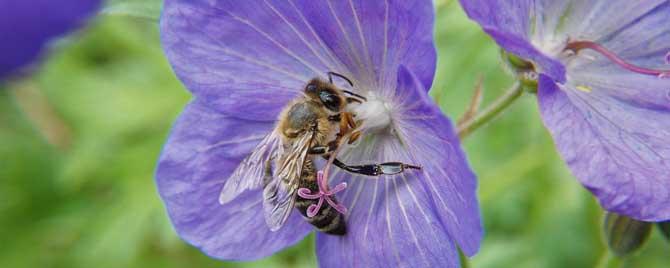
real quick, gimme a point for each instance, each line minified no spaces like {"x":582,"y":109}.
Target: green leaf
{"x":141,"y":9}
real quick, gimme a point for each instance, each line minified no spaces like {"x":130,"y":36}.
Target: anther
{"x":577,"y":46}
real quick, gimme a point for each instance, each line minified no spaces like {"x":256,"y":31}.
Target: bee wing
{"x":280,"y":190}
{"x":250,"y":173}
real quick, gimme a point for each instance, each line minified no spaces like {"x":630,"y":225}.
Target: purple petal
{"x":508,"y":23}
{"x":416,"y":218}
{"x":549,"y":24}
{"x":27,"y":26}
{"x":585,"y":19}
{"x":511,"y":16}
{"x":249,"y":58}
{"x":643,"y":41}
{"x":613,"y":131}
{"x":204,"y":149}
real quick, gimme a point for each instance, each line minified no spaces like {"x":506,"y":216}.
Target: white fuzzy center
{"x":374,"y":114}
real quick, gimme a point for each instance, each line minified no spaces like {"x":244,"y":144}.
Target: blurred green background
{"x":79,"y":142}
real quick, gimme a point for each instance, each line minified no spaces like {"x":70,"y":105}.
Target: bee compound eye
{"x":331,"y":101}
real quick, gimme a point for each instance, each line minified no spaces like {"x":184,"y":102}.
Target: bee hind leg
{"x":388,"y":168}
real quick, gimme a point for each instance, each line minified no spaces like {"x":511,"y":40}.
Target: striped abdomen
{"x":327,"y":220}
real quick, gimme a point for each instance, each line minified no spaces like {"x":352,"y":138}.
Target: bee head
{"x":325,"y":93}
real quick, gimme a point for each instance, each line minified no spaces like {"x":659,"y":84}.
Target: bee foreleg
{"x":348,"y":118}
{"x":388,"y":168}
{"x":335,"y":118}
{"x":354,"y":136}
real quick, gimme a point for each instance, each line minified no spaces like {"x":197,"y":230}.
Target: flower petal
{"x":204,"y":149}
{"x":27,"y":26}
{"x":413,"y":219}
{"x":509,"y":23}
{"x":248,"y":58}
{"x":586,"y":19}
{"x":642,"y":41}
{"x":615,"y":144}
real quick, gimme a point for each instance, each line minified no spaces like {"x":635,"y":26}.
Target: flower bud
{"x":625,"y":235}
{"x":523,"y":69}
{"x":665,"y":229}
{"x":516,"y":63}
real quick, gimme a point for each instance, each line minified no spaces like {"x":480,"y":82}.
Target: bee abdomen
{"x":327,"y":220}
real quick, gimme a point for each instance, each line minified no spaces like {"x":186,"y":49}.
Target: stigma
{"x":374,"y":114}
{"x":576,"y":46}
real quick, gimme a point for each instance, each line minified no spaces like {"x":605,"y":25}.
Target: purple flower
{"x":603,"y":91}
{"x":27,"y":26}
{"x":246,"y":60}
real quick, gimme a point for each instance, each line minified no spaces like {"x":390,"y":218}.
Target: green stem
{"x":609,"y":260}
{"x":490,"y":112}
{"x":465,"y":261}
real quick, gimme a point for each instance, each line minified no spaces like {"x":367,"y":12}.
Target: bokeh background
{"x":79,"y":141}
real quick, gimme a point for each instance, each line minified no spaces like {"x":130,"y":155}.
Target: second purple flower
{"x":604,"y":90}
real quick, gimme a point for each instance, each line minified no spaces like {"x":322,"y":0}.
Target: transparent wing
{"x":282,"y":184}
{"x":250,"y":173}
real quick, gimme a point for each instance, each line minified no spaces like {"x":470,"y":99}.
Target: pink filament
{"x":576,"y":46}
{"x":323,"y":194}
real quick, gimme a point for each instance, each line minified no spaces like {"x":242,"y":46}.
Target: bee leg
{"x":319,"y":150}
{"x":323,"y":150}
{"x":349,"y":119}
{"x":335,"y":118}
{"x":388,"y":168}
{"x":344,"y":125}
{"x":354,"y":136}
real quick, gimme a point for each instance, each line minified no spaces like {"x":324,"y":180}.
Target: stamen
{"x":584,"y":88}
{"x":576,"y":46}
{"x":323,"y":194}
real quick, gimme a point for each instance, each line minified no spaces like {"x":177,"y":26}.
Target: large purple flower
{"x":245,"y":60}
{"x":27,"y":26}
{"x":603,"y":90}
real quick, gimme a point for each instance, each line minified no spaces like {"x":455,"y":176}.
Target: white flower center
{"x":374,"y":114}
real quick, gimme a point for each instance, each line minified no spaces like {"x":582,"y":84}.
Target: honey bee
{"x":311,"y":125}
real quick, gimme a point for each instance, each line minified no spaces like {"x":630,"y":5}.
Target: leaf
{"x":141,"y":9}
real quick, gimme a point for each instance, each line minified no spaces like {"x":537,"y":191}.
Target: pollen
{"x":374,"y":114}
{"x":584,"y":88}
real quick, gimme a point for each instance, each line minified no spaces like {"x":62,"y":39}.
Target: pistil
{"x":577,"y":46}
{"x":324,"y":194}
